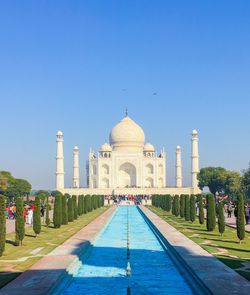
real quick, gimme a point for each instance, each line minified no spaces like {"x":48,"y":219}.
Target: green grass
{"x":213,"y":242}
{"x":49,"y":239}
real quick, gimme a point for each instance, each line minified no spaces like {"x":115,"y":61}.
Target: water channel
{"x":126,"y":258}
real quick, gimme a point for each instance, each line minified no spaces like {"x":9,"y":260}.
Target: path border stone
{"x":217,"y":277}
{"x":45,"y":274}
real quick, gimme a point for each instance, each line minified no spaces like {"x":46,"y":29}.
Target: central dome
{"x":127,"y":136}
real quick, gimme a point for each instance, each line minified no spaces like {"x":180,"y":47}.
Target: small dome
{"x":76,"y":148}
{"x":59,"y":132}
{"x":106,"y":148}
{"x":148,"y":147}
{"x":195,"y":132}
{"x":178,"y":147}
{"x":127,"y":136}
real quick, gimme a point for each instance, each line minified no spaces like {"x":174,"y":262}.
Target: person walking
{"x":229,"y":210}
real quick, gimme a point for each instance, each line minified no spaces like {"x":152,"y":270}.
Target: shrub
{"x":70,"y":210}
{"x":47,"y":219}
{"x":192,"y":208}
{"x":75,"y":207}
{"x":187,"y":208}
{"x":64,"y":210}
{"x":168,"y":203}
{"x":2,"y":224}
{"x":19,"y":222}
{"x":57,"y":216}
{"x":177,"y":205}
{"x":221,"y":218}
{"x":182,"y":206}
{"x":211,"y":215}
{"x":240,"y":217}
{"x":37,"y":217}
{"x":201,"y":209}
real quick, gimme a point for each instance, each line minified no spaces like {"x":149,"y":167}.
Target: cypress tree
{"x":201,"y":209}
{"x":221,"y":219}
{"x":192,"y":208}
{"x":57,"y":216}
{"x":187,"y":208}
{"x":75,"y":207}
{"x":2,"y":224}
{"x":19,"y":222}
{"x":182,"y":206}
{"x":173,"y":205}
{"x":47,"y":219}
{"x":240,"y":217}
{"x":79,"y":206}
{"x":83,"y":204}
{"x":177,"y":205}
{"x":211,"y":214}
{"x":64,"y":210}
{"x":70,"y":210}
{"x":37,"y":217}
{"x":168,"y":203}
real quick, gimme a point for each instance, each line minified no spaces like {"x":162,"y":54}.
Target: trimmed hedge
{"x":211,"y":214}
{"x":2,"y":224}
{"x":240,"y":217}
{"x":201,"y":209}
{"x":187,"y":208}
{"x":192,"y":208}
{"x":37,"y":217}
{"x":19,"y":222}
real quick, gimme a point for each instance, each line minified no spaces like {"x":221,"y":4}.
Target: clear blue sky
{"x":63,"y":65}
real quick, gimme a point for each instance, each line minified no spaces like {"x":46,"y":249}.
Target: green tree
{"x":246,"y":182}
{"x":192,"y":208}
{"x":211,"y":214}
{"x":70,"y":210}
{"x":214,"y":178}
{"x":2,"y":224}
{"x":42,"y":194}
{"x":19,"y":222}
{"x":240,"y":217}
{"x":221,"y":219}
{"x":168,"y":203}
{"x":18,"y":188}
{"x":201,"y":209}
{"x":79,"y":205}
{"x":182,"y":206}
{"x":57,"y":216}
{"x":177,"y":206}
{"x":5,"y":179}
{"x":47,"y":219}
{"x":75,"y":207}
{"x":187,"y":208}
{"x":233,"y":183}
{"x":37,"y":216}
{"x":64,"y":210}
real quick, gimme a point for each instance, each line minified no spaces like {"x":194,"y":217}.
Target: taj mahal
{"x":127,"y":165}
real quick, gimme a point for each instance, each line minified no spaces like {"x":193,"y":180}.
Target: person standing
{"x":229,"y":210}
{"x":30,"y":216}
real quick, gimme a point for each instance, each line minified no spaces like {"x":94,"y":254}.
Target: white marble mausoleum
{"x":127,"y":165}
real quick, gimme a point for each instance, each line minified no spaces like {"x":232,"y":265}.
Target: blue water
{"x":103,"y":271}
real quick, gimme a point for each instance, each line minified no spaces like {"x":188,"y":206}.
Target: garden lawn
{"x":226,"y":248}
{"x":15,"y":259}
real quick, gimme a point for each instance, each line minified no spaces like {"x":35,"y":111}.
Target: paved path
{"x":10,"y":223}
{"x":232,"y":223}
{"x":219,"y":278}
{"x":47,"y":272}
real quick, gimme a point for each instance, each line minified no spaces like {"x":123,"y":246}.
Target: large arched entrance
{"x":127,"y":175}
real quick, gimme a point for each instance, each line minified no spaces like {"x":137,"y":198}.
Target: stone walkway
{"x":218,"y":278}
{"x":47,"y":272}
{"x":232,"y":223}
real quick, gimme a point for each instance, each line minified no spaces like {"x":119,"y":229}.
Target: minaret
{"x":76,"y":177}
{"x":59,"y":161}
{"x":178,"y":177}
{"x":195,"y":159}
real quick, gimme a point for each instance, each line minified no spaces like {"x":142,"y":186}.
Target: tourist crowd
{"x":231,"y":208}
{"x":28,"y":210}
